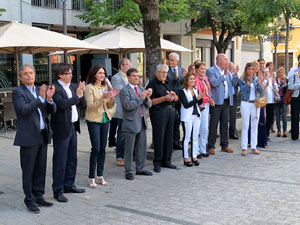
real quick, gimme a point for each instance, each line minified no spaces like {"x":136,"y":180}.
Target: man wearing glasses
{"x":65,"y":124}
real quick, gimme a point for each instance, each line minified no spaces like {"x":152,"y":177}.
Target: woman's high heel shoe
{"x":196,"y":162}
{"x":188,"y":164}
{"x":92,"y":183}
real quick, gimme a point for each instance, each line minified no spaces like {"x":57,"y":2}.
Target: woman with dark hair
{"x":191,"y":69}
{"x":99,"y":111}
{"x":250,"y":87}
{"x":280,"y":107}
{"x":203,"y":85}
{"x":190,"y":114}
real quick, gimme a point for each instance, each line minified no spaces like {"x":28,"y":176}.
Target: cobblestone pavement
{"x":226,"y":189}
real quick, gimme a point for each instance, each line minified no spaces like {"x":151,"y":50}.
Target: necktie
{"x":137,"y":93}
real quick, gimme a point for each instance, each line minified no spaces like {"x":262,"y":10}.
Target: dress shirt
{"x":269,"y":90}
{"x":225,"y":82}
{"x":135,"y":88}
{"x":69,"y":94}
{"x":125,"y":77}
{"x":33,"y":92}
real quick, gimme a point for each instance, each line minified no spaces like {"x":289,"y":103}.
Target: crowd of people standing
{"x":199,"y":99}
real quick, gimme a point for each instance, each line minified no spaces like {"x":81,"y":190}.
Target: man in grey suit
{"x":135,"y":102}
{"x":232,"y":109}
{"x":221,"y":90}
{"x":32,"y":106}
{"x":119,"y":80}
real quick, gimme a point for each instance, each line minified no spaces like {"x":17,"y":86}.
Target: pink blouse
{"x":200,"y":86}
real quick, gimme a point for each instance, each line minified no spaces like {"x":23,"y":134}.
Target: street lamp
{"x":287,"y":30}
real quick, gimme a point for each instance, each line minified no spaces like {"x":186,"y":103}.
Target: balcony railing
{"x":77,"y":4}
{"x":45,"y":3}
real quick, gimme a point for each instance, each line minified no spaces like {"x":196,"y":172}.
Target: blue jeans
{"x":120,"y":141}
{"x":281,"y":111}
{"x":98,"y":136}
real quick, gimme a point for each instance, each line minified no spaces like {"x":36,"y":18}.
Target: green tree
{"x":287,"y":9}
{"x":230,"y":18}
{"x":147,"y":14}
{"x":1,"y":11}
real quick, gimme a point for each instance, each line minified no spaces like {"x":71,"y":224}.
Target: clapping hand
{"x":50,"y":92}
{"x":200,"y":95}
{"x":80,"y":89}
{"x":236,"y":70}
{"x":149,"y":93}
{"x":43,"y":89}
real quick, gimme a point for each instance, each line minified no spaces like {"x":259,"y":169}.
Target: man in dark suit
{"x":32,"y":106}
{"x":232,"y":109}
{"x":221,"y":91}
{"x":65,"y":123}
{"x":135,"y":103}
{"x":175,"y":79}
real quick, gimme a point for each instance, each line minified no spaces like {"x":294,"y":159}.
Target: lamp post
{"x":287,"y":30}
{"x":276,"y":38}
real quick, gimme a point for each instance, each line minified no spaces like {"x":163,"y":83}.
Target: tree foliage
{"x":230,"y":18}
{"x":128,"y":14}
{"x":1,"y":11}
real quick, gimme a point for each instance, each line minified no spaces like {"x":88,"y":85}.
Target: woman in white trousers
{"x":203,"y":85}
{"x":190,"y":114}
{"x":250,"y":88}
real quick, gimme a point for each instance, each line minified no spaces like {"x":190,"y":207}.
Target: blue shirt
{"x":33,"y":92}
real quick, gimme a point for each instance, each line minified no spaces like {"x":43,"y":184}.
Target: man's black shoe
{"x":177,"y":146}
{"x":59,"y":196}
{"x":129,"y":176}
{"x":111,"y":145}
{"x":234,"y":137}
{"x":32,"y":208}
{"x":74,"y":189}
{"x":157,"y":168}
{"x":144,"y":172}
{"x":170,"y":166}
{"x":42,"y":202}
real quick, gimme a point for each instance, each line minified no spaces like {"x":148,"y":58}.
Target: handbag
{"x":287,"y":99}
{"x":277,"y":97}
{"x":260,"y":102}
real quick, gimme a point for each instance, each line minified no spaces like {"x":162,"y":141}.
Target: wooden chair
{"x":7,"y":113}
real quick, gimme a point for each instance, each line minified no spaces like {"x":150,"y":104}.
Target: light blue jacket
{"x":216,"y":81}
{"x":245,"y":89}
{"x":294,"y":84}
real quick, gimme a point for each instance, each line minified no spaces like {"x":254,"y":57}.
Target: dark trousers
{"x":162,"y":124}
{"x":120,"y":141}
{"x":98,"y":137}
{"x":232,"y":117}
{"x":176,"y":131}
{"x":218,"y":113}
{"x":295,"y":110}
{"x":64,"y":162}
{"x":33,"y":163}
{"x":269,"y":117}
{"x":112,"y":131}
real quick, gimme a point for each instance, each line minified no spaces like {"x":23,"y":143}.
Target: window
{"x":77,"y":4}
{"x":45,"y":3}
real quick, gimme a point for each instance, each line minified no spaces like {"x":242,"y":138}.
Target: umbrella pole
{"x":50,"y":69}
{"x":18,"y":68}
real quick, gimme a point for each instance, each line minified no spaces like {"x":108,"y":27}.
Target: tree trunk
{"x":151,"y":24}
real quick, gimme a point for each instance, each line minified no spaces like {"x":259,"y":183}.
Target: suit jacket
{"x":216,"y":81}
{"x":118,"y":81}
{"x":61,"y":121}
{"x":28,"y":118}
{"x":131,"y":105}
{"x":175,"y":85}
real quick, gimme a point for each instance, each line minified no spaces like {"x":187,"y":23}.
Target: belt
{"x":249,"y":101}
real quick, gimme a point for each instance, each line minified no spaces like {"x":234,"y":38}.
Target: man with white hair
{"x":221,"y":90}
{"x":162,"y":118}
{"x":175,"y":79}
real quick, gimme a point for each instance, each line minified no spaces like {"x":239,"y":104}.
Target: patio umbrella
{"x":21,"y":38}
{"x":122,"y":41}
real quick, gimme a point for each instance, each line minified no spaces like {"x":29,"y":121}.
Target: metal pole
{"x":65,"y":28}
{"x":275,"y":42}
{"x":49,"y":65}
{"x":287,"y":46}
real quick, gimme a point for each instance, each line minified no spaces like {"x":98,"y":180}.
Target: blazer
{"x":28,"y":118}
{"x":131,"y":105}
{"x":216,"y":81}
{"x":187,"y":104}
{"x":61,"y":120}
{"x":118,"y":81}
{"x":175,"y":85}
{"x":94,"y":107}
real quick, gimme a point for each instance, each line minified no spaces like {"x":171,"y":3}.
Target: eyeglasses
{"x":68,"y":73}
